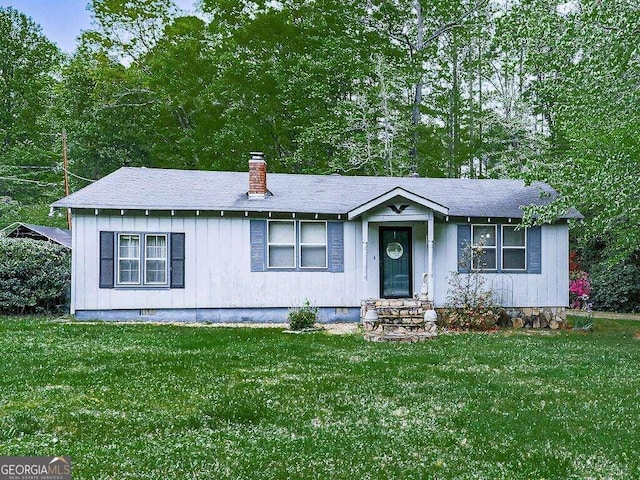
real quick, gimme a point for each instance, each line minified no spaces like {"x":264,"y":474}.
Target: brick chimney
{"x":257,"y":176}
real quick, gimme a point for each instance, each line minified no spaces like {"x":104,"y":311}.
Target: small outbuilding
{"x":60,"y":236}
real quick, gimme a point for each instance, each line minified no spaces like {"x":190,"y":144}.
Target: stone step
{"x":399,"y":337}
{"x":396,"y":321}
{"x":394,"y":328}
{"x":401,"y":321}
{"x":393,"y":317}
{"x":399,"y":311}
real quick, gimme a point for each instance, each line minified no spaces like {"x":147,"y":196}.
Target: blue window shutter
{"x":534,"y":250}
{"x":464,"y":240}
{"x":177,"y":260}
{"x":335,"y":237}
{"x":106,"y":259}
{"x":258,"y":235}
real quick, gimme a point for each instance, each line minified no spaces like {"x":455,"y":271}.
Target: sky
{"x":62,"y":21}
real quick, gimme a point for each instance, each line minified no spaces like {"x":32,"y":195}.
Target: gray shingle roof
{"x":159,"y":189}
{"x":29,"y":230}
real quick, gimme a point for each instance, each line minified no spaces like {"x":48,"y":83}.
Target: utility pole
{"x":65,"y":166}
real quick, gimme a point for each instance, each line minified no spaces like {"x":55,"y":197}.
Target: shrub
{"x":616,"y":288}
{"x":470,"y":304}
{"x":579,"y":289}
{"x":301,"y":318}
{"x":34,"y":276}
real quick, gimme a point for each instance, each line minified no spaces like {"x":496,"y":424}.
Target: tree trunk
{"x":417,"y":98}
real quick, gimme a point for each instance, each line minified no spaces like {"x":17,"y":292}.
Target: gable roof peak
{"x":393,"y":193}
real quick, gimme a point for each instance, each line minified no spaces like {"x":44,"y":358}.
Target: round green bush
{"x":35,"y":276}
{"x":615,"y":288}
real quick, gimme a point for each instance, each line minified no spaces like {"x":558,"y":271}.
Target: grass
{"x":146,"y":401}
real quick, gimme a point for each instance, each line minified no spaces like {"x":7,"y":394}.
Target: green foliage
{"x":616,"y":288}
{"x":29,"y":147}
{"x":541,"y":89}
{"x":29,"y":212}
{"x":587,"y":88}
{"x":302,"y":318}
{"x":34,"y":276}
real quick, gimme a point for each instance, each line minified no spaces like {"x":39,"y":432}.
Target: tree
{"x":592,"y":100}
{"x":29,"y":143}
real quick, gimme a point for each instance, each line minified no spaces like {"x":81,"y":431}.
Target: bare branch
{"x":456,"y":23}
{"x":122,"y":105}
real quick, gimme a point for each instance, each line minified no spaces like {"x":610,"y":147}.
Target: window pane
{"x":514,"y":259}
{"x":313,"y":257}
{"x":129,"y":271}
{"x":129,"y":246}
{"x":513,"y":237}
{"x":281,"y":256}
{"x":156,"y":271}
{"x":156,"y":246}
{"x":281,"y":232}
{"x":313,"y":232}
{"x":484,"y":234}
{"x":487,"y":261}
{"x":129,"y":259}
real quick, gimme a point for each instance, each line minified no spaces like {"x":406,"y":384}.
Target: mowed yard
{"x":165,"y":402}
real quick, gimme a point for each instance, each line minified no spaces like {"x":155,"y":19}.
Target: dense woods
{"x":535,"y":89}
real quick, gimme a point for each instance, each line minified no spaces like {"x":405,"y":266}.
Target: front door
{"x":395,"y":262}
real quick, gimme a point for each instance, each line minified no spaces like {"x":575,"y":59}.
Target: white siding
{"x":217,"y":267}
{"x":547,"y":289}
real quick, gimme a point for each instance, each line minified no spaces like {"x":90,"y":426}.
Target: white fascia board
{"x":397,"y":192}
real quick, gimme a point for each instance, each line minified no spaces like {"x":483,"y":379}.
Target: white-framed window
{"x":142,"y":266}
{"x":313,"y":244}
{"x":514,"y":248}
{"x":155,"y":259}
{"x":128,"y":259}
{"x":281,"y":244}
{"x":483,"y":239}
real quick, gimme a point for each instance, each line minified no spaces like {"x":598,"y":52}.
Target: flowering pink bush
{"x":579,"y":289}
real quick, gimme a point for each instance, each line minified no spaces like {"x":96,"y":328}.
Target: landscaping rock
{"x":517,"y":322}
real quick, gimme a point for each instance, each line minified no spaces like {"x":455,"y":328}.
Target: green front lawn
{"x":146,"y":401}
